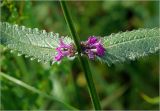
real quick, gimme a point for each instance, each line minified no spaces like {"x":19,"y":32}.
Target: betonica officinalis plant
{"x":53,"y":48}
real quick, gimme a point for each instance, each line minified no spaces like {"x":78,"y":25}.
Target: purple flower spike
{"x":64,"y":50}
{"x":93,"y":47}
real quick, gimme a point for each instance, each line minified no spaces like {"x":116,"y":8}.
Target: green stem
{"x":22,"y":84}
{"x":83,"y":60}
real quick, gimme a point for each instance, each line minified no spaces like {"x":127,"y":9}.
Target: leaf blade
{"x":32,"y":42}
{"x":131,"y":45}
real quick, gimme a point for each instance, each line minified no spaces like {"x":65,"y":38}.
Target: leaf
{"x":38,"y":44}
{"x":31,"y":88}
{"x":150,"y":100}
{"x":130,"y":45}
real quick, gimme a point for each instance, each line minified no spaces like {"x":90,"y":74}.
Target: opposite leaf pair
{"x":92,"y":47}
{"x":48,"y":47}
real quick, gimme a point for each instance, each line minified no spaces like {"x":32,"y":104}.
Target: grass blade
{"x":28,"y":87}
{"x":150,"y":100}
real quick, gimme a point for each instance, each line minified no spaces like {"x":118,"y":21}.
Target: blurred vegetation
{"x":120,"y":86}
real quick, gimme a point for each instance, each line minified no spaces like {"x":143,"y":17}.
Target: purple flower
{"x":93,"y":47}
{"x":92,"y":40}
{"x":64,"y":50}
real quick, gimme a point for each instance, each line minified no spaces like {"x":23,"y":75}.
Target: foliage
{"x":31,"y":42}
{"x":130,"y":45}
{"x":119,"y":86}
{"x":41,"y":45}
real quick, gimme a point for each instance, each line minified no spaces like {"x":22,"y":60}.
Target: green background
{"x":120,"y":86}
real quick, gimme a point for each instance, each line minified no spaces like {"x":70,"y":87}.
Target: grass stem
{"x":83,"y":60}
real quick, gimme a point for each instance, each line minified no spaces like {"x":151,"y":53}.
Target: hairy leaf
{"x":38,"y":44}
{"x":130,"y":45}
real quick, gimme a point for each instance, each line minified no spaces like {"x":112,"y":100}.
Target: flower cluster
{"x":93,"y":47}
{"x":64,"y":50}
